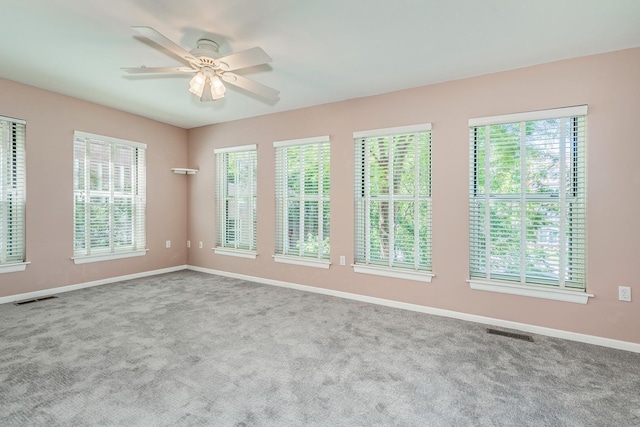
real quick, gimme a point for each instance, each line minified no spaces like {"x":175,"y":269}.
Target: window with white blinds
{"x":237,"y":180}
{"x":12,"y":194}
{"x":302,"y":201}
{"x":109,"y":182}
{"x":528,"y":198}
{"x":393,"y":201}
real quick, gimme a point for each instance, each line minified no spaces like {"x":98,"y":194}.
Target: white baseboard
{"x":61,"y":289}
{"x":556,"y":333}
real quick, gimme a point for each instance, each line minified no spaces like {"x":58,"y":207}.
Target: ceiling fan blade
{"x":164,"y":42}
{"x":152,"y":70}
{"x":244,"y":59}
{"x":250,"y":85}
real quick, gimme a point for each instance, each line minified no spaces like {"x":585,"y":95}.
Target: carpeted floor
{"x":190,"y":349}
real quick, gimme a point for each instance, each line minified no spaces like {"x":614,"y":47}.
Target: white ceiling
{"x":322,"y":50}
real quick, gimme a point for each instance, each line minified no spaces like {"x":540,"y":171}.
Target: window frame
{"x":421,"y":272}
{"x":137,"y":195}
{"x":13,"y":183}
{"x":525,"y":285}
{"x":282,"y":254}
{"x":222,"y":246}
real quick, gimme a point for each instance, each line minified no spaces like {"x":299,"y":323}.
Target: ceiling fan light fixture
{"x":197,"y":83}
{"x":217,"y":88}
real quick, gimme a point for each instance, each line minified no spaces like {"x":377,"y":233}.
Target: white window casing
{"x":393,"y":202}
{"x":236,"y":192}
{"x":302,"y":201}
{"x":528,"y":203}
{"x":109,"y":187}
{"x":12,"y":195}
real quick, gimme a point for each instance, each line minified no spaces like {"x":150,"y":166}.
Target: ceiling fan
{"x":210,"y":69}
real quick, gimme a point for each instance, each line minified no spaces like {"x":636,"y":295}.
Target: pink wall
{"x":51,"y":120}
{"x":608,"y":83}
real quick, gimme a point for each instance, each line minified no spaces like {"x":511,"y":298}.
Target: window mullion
{"x":4,"y":156}
{"x":87,"y":197}
{"x":416,"y":202}
{"x":367,"y":200}
{"x":487,"y":200}
{"x":390,"y":177}
{"x":523,"y":200}
{"x":250,"y":202}
{"x":236,"y":201}
{"x":111,"y":172}
{"x":562,"y":208}
{"x":320,"y":202}
{"x":301,"y":210}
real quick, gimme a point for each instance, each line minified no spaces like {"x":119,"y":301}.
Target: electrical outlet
{"x":167,"y":244}
{"x":201,"y":245}
{"x":188,"y":243}
{"x":624,"y":293}
{"x":343,"y":260}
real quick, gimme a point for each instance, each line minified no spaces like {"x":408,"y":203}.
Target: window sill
{"x":307,"y":262}
{"x":107,"y":257}
{"x":396,"y":273}
{"x":535,"y":291}
{"x":13,"y":267}
{"x":235,"y":252}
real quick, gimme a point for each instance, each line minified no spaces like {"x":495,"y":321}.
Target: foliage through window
{"x":109,"y":195}
{"x":393,"y":198}
{"x":527,"y":198}
{"x":12,"y":191}
{"x":302,"y":198}
{"x":236,"y":198}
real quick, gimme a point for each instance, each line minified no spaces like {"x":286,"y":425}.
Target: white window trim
{"x":396,"y":273}
{"x":577,"y":296}
{"x":554,"y":113}
{"x":424,"y":127}
{"x":239,"y":253}
{"x":301,"y":141}
{"x":101,"y":138}
{"x":307,"y":262}
{"x":235,"y":149}
{"x":108,"y":257}
{"x":13,"y":267}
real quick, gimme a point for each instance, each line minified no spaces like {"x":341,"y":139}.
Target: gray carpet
{"x":190,"y":349}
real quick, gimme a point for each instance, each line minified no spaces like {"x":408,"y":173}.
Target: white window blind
{"x":236,"y":197}
{"x":528,"y":198}
{"x":393,"y":198}
{"x":109,"y":181}
{"x":12,"y":190}
{"x":302,"y":198}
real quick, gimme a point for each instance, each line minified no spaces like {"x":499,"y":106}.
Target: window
{"x":236,"y":201}
{"x":527,"y":199}
{"x":302,"y":201}
{"x":109,"y":198}
{"x":393,"y":202}
{"x":12,"y":195}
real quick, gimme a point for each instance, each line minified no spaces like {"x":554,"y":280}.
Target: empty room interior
{"x":257,"y":213}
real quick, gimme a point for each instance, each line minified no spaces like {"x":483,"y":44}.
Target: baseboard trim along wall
{"x":61,"y":289}
{"x":556,"y":333}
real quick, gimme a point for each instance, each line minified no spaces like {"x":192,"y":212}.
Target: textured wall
{"x":51,"y":120}
{"x":608,"y":83}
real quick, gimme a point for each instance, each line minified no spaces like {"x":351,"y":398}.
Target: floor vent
{"x":29,"y":301}
{"x":522,"y":337}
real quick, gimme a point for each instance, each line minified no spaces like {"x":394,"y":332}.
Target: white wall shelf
{"x":185,"y":171}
